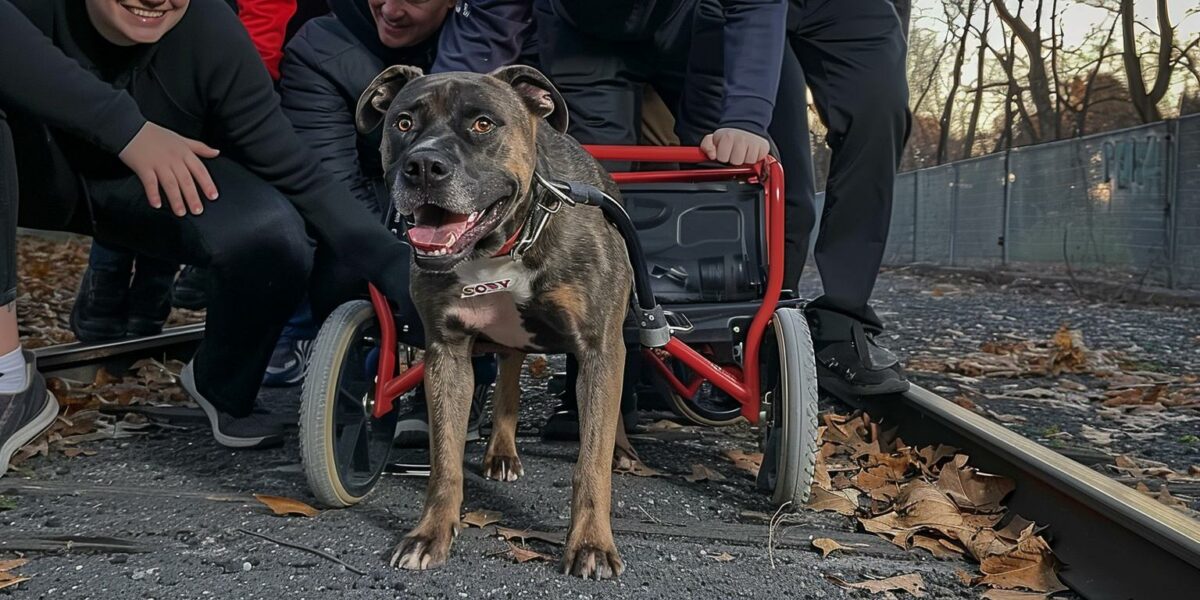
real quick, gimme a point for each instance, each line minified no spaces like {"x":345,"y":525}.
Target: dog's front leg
{"x":590,"y":551}
{"x":449,"y":382}
{"x":501,"y":462}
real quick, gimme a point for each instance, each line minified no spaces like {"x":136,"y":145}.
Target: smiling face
{"x":458,"y":151}
{"x":129,"y":22}
{"x":404,"y":23}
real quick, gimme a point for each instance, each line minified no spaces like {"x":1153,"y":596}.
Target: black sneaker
{"x":257,"y":430}
{"x":149,"y":300}
{"x":191,"y":289}
{"x":563,"y":424}
{"x":849,"y":360}
{"x":25,"y":414}
{"x":288,"y":363}
{"x":101,"y":306}
{"x":412,"y":427}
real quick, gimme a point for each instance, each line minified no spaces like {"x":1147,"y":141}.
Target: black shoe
{"x":25,"y":414}
{"x":149,"y":302}
{"x":191,"y":289}
{"x":563,"y":425}
{"x":412,"y":427}
{"x":289,"y":362}
{"x":101,"y":306}
{"x":254,"y":431}
{"x":849,"y":361}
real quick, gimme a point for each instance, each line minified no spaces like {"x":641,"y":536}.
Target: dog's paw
{"x":502,"y":468}
{"x":418,"y":552}
{"x":592,"y":562}
{"x":624,"y":458}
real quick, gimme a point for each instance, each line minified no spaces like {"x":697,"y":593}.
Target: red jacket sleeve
{"x":267,"y":21}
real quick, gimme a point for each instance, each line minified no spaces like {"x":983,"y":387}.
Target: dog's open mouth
{"x":435,"y":231}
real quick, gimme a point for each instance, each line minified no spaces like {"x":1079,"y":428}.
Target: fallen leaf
{"x":663,"y":425}
{"x":638,"y":468}
{"x":843,"y":502}
{"x":1164,"y":497}
{"x":750,"y":462}
{"x":723,"y":557}
{"x":1096,"y":436}
{"x":524,"y":555}
{"x":1194,"y":470}
{"x":1030,"y":566}
{"x":9,"y":580}
{"x":966,"y":578}
{"x":481,"y":518}
{"x":509,"y":534}
{"x":972,"y":490}
{"x":8,"y":565}
{"x":287,"y":506}
{"x":827,"y":546}
{"x":1011,"y":595}
{"x":703,"y":473}
{"x":911,"y":583}
{"x":935,"y":547}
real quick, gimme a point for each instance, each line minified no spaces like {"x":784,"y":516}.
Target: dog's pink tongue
{"x":436,"y":236}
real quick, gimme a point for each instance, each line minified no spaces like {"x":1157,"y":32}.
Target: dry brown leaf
{"x":826,"y":546}
{"x":287,"y":506}
{"x":638,"y":468}
{"x":972,"y":490}
{"x":9,"y":580}
{"x":703,"y":473}
{"x":663,"y":425}
{"x":1164,"y":497}
{"x":986,"y":542}
{"x":1011,"y":595}
{"x":8,"y":565}
{"x":750,"y":462}
{"x":509,"y":534}
{"x":539,"y":368}
{"x":938,"y":548}
{"x":1194,"y":470}
{"x":1030,"y":566}
{"x":843,"y":502}
{"x":966,"y":578}
{"x":524,"y":555}
{"x":723,"y":557}
{"x":481,"y":518}
{"x":921,"y":505}
{"x":911,"y":583}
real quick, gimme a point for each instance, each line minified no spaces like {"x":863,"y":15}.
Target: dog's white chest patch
{"x":491,"y":292}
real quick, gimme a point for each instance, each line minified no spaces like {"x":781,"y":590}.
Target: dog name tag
{"x":486,"y":287}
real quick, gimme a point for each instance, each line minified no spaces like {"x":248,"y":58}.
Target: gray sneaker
{"x":25,"y":414}
{"x":256,"y":430}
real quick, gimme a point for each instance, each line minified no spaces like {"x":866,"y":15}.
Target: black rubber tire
{"x":338,"y":370}
{"x":788,"y":350}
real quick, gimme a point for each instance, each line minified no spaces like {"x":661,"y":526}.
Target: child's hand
{"x":735,"y":146}
{"x":162,"y":158}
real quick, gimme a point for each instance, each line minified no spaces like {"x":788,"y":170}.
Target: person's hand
{"x":735,"y":146}
{"x":162,"y":158}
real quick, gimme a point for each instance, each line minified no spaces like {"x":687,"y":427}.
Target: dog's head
{"x":459,"y":150}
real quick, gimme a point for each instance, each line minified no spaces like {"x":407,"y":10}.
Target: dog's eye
{"x":482,"y":125}
{"x":404,"y":123}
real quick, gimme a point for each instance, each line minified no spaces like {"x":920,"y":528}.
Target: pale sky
{"x":1078,"y":19}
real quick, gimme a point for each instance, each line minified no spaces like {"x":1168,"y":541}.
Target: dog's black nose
{"x":426,"y":168}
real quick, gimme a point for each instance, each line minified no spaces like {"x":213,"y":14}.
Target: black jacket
{"x":204,"y":80}
{"x":332,"y":59}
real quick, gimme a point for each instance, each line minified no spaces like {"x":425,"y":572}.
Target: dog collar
{"x":549,"y":202}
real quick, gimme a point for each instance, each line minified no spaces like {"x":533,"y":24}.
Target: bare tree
{"x":1039,"y":88}
{"x":977,"y":101}
{"x":955,"y":82}
{"x":1146,"y":102}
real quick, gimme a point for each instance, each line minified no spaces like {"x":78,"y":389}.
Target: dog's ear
{"x":373,"y":103}
{"x":538,"y":93}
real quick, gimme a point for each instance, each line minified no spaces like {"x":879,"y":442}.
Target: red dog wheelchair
{"x":710,"y":242}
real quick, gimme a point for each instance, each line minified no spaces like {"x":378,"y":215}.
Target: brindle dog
{"x":460,"y":151}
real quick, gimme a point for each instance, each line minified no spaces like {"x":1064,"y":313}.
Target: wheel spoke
{"x":347,"y":446}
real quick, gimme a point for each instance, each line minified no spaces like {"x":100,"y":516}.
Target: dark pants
{"x":252,"y":241}
{"x":852,"y":56}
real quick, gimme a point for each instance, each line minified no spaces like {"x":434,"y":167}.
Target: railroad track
{"x":1115,"y":542}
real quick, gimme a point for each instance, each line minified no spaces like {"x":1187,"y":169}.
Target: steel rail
{"x":80,"y":360}
{"x":1114,"y":542}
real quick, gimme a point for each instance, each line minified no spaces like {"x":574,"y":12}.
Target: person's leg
{"x":258,"y":254}
{"x":150,"y":295}
{"x":790,"y":135}
{"x":26,"y":407}
{"x":853,"y":55}
{"x":289,"y":359}
{"x":102,"y":302}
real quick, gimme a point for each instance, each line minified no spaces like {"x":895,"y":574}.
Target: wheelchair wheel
{"x":788,"y":375}
{"x":343,"y":447}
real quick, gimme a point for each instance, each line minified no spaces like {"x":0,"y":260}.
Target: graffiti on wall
{"x":1134,"y":163}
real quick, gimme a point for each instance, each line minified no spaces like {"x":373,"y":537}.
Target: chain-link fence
{"x":1123,"y":203}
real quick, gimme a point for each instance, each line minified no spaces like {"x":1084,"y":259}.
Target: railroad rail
{"x":1114,"y":542}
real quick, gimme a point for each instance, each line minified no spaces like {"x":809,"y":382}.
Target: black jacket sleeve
{"x":754,"y":38}
{"x":252,"y":130}
{"x":322,"y":118}
{"x":482,"y":35}
{"x":37,"y":78}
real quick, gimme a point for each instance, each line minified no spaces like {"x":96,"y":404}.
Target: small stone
{"x":53,"y":522}
{"x":119,"y":559}
{"x":246,"y":566}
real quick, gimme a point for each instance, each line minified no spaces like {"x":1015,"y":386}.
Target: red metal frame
{"x":741,"y":384}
